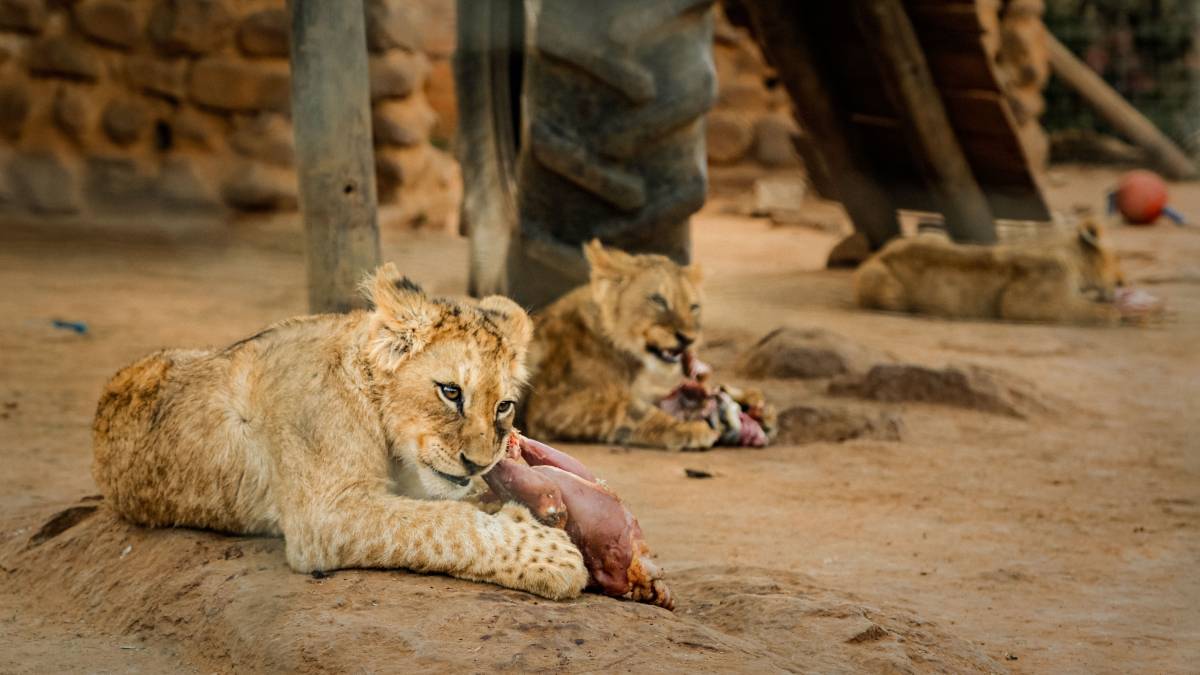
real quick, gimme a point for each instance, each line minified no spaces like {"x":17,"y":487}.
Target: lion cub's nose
{"x":471,"y":467}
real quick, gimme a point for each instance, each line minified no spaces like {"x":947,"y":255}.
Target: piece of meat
{"x":742,"y":417}
{"x":606,"y":532}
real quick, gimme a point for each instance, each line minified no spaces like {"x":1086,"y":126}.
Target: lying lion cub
{"x":1072,"y":280}
{"x":351,"y":435}
{"x":606,"y":353}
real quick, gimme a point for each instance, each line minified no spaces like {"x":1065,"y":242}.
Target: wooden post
{"x":781,"y":26}
{"x":892,"y":41}
{"x":1118,"y":112}
{"x":331,"y":118}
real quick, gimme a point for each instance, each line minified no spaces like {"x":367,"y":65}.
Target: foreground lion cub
{"x":606,"y":353}
{"x":352,"y":436}
{"x":1059,"y":281}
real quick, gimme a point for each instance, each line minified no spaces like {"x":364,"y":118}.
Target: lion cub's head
{"x":649,"y":306}
{"x":448,"y":374}
{"x":1099,"y":270}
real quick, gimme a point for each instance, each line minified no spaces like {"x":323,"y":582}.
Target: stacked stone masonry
{"x":178,"y":106}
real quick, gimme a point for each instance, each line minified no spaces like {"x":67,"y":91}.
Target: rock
{"x":402,"y":123}
{"x":166,"y":78}
{"x":439,"y":91}
{"x":780,"y":198}
{"x":72,"y":112}
{"x":118,"y":185}
{"x":257,"y":187}
{"x":14,"y":109}
{"x":196,"y":130}
{"x":124,"y":120}
{"x":392,"y":24}
{"x":397,"y":74}
{"x":61,"y":56}
{"x":969,"y":387}
{"x":226,"y":84}
{"x":26,"y":16}
{"x":743,"y":92}
{"x":266,"y":137}
{"x":794,"y":353}
{"x":728,"y":136}
{"x":43,"y":183}
{"x":108,"y":22}
{"x":181,"y":187}
{"x":804,"y":424}
{"x":849,"y":252}
{"x":190,"y":26}
{"x":773,"y":145}
{"x":266,"y":34}
{"x":389,"y":174}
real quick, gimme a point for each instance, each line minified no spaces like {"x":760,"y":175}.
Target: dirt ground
{"x":1064,"y":541}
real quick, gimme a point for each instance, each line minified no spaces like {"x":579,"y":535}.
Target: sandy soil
{"x":1065,"y":541}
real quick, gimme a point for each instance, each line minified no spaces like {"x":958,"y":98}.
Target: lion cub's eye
{"x":659,"y":300}
{"x":696,"y":308}
{"x":451,"y":392}
{"x":504,"y":408}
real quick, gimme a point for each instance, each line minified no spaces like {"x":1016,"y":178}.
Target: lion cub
{"x":1064,"y":281}
{"x":353,"y":436}
{"x":606,"y":353}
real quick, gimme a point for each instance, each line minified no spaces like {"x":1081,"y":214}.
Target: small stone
{"x":266,"y":137}
{"x":60,"y":56}
{"x":773,"y":145}
{"x":257,"y":187}
{"x":190,"y":26}
{"x":238,"y":86}
{"x":808,"y":353}
{"x":402,"y":123}
{"x":181,"y":188}
{"x":161,"y":77}
{"x":266,"y":33}
{"x":108,"y":22}
{"x":124,"y":120}
{"x":728,"y":136}
{"x":14,"y":109}
{"x":397,"y":74}
{"x":44,"y":184}
{"x":118,"y":185}
{"x":72,"y":112}
{"x":392,"y":24}
{"x":27,"y":16}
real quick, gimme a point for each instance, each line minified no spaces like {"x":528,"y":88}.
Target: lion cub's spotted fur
{"x":334,"y":431}
{"x":607,"y":352}
{"x":1057,"y":281}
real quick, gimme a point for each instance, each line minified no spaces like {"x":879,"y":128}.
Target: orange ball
{"x":1141,"y":197}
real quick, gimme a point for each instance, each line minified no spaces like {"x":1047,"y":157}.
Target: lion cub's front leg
{"x":508,"y":548}
{"x":649,"y":426}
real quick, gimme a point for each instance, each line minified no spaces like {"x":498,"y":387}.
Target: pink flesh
{"x":513,"y":479}
{"x":540,"y":454}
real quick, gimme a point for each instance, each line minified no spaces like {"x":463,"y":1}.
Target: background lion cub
{"x":1058,"y":281}
{"x":606,"y":353}
{"x":350,"y":435}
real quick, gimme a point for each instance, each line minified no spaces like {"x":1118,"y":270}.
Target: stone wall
{"x":135,"y":106}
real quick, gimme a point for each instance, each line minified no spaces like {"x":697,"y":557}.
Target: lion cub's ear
{"x":694,"y":273}
{"x":511,"y":319}
{"x":403,"y":318}
{"x":607,"y":263}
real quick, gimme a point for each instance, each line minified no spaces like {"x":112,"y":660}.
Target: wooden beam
{"x":1118,"y":112}
{"x":331,"y":118}
{"x":889,"y":34}
{"x":782,"y":27}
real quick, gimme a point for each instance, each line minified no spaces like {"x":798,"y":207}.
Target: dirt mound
{"x":801,"y":424}
{"x":232,"y":602}
{"x":806,"y":353}
{"x":967,"y":386}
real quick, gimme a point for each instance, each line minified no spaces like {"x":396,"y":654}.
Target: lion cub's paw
{"x":542,"y":559}
{"x":695,"y":435}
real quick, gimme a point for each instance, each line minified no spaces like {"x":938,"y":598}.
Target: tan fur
{"x":596,"y":376}
{"x":1058,"y":281}
{"x":330,"y":430}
